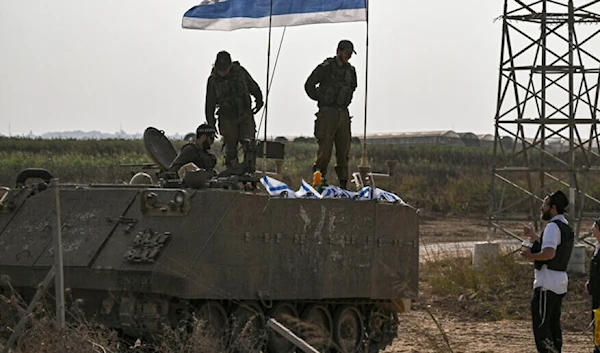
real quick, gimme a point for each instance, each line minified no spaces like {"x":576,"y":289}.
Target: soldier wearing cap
{"x":229,"y":88}
{"x":332,"y":85}
{"x":197,"y":152}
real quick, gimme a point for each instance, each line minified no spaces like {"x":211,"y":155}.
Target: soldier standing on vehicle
{"x":332,"y":85}
{"x":229,"y":88}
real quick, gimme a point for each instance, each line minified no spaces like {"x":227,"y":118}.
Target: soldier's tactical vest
{"x":207,"y":160}
{"x":337,"y":87}
{"x":232,"y":92}
{"x":563,"y":251}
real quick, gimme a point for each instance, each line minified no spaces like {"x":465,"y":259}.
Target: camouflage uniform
{"x":231,"y":94}
{"x":193,"y":153}
{"x":332,"y":126}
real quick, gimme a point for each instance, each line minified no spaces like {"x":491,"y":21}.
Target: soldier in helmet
{"x":229,"y":88}
{"x":332,"y":85}
{"x":197,"y":152}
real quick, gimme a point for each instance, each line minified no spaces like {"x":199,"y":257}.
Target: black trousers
{"x":545,"y":315}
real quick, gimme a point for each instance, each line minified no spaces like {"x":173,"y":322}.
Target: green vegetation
{"x":434,"y":178}
{"x":499,"y":289}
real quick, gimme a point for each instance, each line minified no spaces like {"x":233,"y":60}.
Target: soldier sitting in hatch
{"x":197,"y":152}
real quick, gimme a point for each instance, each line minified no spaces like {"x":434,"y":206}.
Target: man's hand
{"x":526,"y":253}
{"x":587,"y":287}
{"x":259,"y":105}
{"x":529,"y":232}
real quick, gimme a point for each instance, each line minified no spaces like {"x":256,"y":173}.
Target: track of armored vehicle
{"x":137,"y":257}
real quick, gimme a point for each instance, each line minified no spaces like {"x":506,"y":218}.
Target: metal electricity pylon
{"x":547,"y":109}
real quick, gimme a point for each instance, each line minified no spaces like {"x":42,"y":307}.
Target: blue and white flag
{"x":383,"y":195}
{"x":229,"y":15}
{"x":335,"y":192}
{"x":277,"y":188}
{"x":307,"y":191}
{"x":280,"y":189}
{"x":365,"y":194}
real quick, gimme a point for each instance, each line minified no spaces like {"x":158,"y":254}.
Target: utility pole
{"x":546,"y":136}
{"x":59,"y":283}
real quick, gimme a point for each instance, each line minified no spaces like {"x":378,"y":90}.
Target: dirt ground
{"x":435,"y":228}
{"x":419,"y":333}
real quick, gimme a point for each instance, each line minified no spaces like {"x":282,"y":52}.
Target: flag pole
{"x":364,"y":151}
{"x":264,"y":169}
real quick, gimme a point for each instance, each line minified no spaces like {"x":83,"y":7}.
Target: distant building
{"x":433,"y":138}
{"x":486,"y":140}
{"x":469,"y":139}
{"x":442,"y":138}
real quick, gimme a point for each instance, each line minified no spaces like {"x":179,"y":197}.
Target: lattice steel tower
{"x":547,"y":109}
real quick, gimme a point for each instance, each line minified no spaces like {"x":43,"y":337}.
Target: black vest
{"x":595,"y":280}
{"x":563,"y":251}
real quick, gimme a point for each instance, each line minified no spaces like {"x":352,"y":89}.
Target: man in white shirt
{"x":550,"y":254}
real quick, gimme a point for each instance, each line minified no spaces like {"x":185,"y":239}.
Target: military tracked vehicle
{"x":139,"y":256}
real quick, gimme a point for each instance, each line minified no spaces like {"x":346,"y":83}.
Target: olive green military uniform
{"x":231,"y":94}
{"x":336,"y":86}
{"x":192,"y":153}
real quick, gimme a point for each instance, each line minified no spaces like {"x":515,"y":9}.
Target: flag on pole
{"x":229,"y":15}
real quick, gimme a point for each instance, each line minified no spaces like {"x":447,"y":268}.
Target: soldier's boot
{"x":342,"y":176}
{"x":250,"y":155}
{"x":232,"y":166}
{"x":344,"y":184}
{"x":324,"y":184}
{"x":231,"y":156}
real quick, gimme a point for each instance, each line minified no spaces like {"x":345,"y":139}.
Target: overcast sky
{"x":107,"y":64}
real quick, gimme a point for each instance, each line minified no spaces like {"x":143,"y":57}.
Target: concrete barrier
{"x":577,"y":260}
{"x":482,"y":251}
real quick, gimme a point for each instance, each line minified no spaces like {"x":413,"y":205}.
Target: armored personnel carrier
{"x":139,"y":256}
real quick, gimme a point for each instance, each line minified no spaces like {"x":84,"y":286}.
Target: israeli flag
{"x":277,"y":188}
{"x":229,"y":15}
{"x":307,"y":191}
{"x":383,"y":195}
{"x":365,"y":194}
{"x":335,"y":192}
